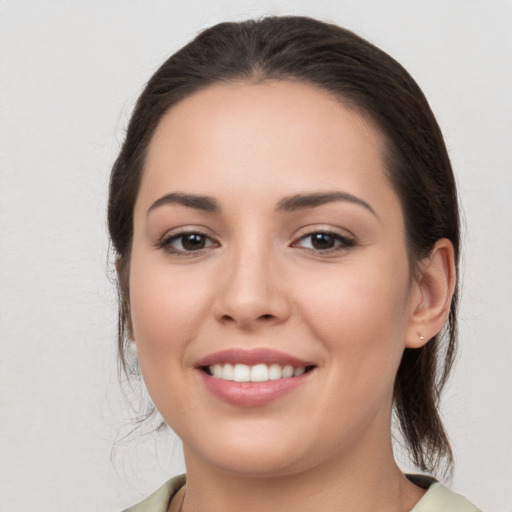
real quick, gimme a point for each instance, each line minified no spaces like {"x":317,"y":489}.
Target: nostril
{"x":266,"y":317}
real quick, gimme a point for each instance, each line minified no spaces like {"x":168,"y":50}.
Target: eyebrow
{"x":304,"y":201}
{"x":293,"y":203}
{"x":205,"y":203}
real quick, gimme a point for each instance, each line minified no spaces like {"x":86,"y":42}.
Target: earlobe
{"x":436,"y":282}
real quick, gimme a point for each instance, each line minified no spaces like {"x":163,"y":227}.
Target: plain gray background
{"x":69,"y":75}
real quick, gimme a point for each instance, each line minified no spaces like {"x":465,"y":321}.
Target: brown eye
{"x":183,"y":243}
{"x":192,"y":241}
{"x":324,"y":241}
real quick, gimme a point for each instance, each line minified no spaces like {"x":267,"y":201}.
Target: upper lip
{"x":252,"y":357}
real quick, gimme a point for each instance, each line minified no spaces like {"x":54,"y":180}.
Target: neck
{"x":353,"y":484}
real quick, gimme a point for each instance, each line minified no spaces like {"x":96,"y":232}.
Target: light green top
{"x":438,"y":498}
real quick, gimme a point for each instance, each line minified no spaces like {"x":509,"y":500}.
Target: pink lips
{"x":251,"y":357}
{"x":251,"y":394}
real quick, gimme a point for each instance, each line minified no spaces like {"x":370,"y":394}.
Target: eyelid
{"x":347,"y":239}
{"x":184,"y":230}
{"x":311,"y":229}
{"x":165,"y":241}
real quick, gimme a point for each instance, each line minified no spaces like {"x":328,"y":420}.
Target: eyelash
{"x":342,"y":242}
{"x":166,"y":243}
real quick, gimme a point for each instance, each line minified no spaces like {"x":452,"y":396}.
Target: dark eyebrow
{"x":206,"y":203}
{"x":303,"y":201}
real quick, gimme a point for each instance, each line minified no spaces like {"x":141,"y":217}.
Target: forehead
{"x":272,"y":137}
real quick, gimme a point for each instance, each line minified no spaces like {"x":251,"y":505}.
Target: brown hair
{"x":364,"y":78}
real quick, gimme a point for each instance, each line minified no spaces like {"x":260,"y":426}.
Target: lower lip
{"x":251,"y":394}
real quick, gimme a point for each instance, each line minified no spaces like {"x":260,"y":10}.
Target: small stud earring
{"x":421,"y":337}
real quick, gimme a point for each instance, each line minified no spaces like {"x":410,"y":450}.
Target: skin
{"x":259,"y":282}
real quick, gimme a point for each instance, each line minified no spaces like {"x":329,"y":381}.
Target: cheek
{"x":360,"y":313}
{"x":165,"y":310}
{"x":162,"y":302}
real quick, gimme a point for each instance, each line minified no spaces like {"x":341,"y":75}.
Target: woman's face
{"x":269,"y":242}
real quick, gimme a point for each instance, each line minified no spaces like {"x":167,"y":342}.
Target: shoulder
{"x":439,"y":498}
{"x":159,"y":500}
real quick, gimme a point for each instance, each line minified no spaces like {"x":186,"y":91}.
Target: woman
{"x":286,"y":227}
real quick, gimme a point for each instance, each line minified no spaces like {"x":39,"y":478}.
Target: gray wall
{"x":69,"y":75}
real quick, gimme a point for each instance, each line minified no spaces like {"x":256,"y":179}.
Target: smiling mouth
{"x":253,"y":378}
{"x":256,"y":373}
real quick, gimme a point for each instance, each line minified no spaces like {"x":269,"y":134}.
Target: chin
{"x":252,"y":456}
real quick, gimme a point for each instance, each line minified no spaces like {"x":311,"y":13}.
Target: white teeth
{"x":299,"y":371}
{"x":287,"y":372}
{"x":242,"y":373}
{"x":257,"y":373}
{"x":227,"y":372}
{"x":274,"y":372}
{"x":217,"y":370}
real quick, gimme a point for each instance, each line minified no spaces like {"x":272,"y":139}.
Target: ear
{"x":435,"y":282}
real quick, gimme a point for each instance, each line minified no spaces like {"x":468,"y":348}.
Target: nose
{"x":252,"y":292}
